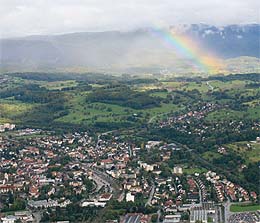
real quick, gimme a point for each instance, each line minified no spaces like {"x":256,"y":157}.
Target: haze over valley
{"x":236,"y":47}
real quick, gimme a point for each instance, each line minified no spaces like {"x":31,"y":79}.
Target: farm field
{"x":65,"y":100}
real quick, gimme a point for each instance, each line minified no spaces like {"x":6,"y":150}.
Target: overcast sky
{"x":27,"y":17}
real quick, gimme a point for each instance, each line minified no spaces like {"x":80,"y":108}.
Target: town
{"x":42,"y":172}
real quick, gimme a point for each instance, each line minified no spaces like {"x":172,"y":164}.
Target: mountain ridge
{"x":122,"y":51}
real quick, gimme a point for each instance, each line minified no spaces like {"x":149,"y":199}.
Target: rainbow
{"x":203,"y":60}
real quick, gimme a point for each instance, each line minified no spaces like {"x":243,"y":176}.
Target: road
{"x":227,"y":212}
{"x":108,"y":180}
{"x":121,"y":197}
{"x":114,"y":186}
{"x":220,"y":215}
{"x":175,"y":187}
{"x":37,"y":216}
{"x":155,"y":116}
{"x":150,"y":195}
{"x":130,"y":151}
{"x":200,"y":192}
{"x":100,"y":183}
{"x":210,"y":86}
{"x":159,"y":215}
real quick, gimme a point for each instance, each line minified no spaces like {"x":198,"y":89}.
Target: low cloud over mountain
{"x":134,"y":51}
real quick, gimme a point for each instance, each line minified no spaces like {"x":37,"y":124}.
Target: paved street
{"x":150,"y":196}
{"x":227,"y":212}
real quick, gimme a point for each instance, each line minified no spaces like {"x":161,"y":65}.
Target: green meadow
{"x":250,"y":151}
{"x":59,"y":85}
{"x":11,"y":109}
{"x":244,"y":208}
{"x":80,"y":110}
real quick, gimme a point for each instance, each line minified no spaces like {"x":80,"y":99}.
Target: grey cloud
{"x":27,"y":17}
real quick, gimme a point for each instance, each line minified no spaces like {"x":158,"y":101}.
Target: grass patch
{"x":164,"y":108}
{"x":254,"y":112}
{"x":147,"y":87}
{"x":9,"y":110}
{"x":161,"y":94}
{"x":4,"y":120}
{"x":97,"y":85}
{"x":211,"y":155}
{"x":191,"y":171}
{"x":250,"y":151}
{"x":172,"y":85}
{"x":59,"y":85}
{"x":81,"y":111}
{"x":210,"y":219}
{"x":253,"y":103}
{"x":235,"y":84}
{"x":225,"y":115}
{"x":244,"y":208}
{"x":201,"y":87}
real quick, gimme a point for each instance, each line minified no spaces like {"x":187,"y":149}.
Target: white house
{"x":130,"y":197}
{"x":9,"y":219}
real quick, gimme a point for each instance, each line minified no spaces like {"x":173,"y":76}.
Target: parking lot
{"x":247,"y":217}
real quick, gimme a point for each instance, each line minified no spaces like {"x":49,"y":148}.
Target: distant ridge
{"x":133,"y":51}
